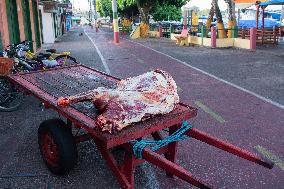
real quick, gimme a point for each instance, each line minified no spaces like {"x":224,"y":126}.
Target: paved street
{"x":260,"y":72}
{"x":239,"y":95}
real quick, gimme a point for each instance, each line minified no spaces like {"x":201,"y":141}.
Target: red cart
{"x":58,"y":144}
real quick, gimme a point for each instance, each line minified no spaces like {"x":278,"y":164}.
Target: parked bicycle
{"x":10,"y":97}
{"x":51,"y":58}
{"x":12,"y":60}
{"x":21,"y":63}
{"x":18,"y":58}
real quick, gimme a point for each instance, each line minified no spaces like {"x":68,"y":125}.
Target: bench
{"x":182,"y":38}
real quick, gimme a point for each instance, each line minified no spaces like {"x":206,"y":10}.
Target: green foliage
{"x":160,"y":9}
{"x":176,"y":3}
{"x":125,"y":3}
{"x":166,"y":12}
{"x":99,"y":8}
{"x":104,"y":7}
{"x":127,"y":8}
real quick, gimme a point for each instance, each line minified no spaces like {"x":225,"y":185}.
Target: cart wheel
{"x":57,"y":146}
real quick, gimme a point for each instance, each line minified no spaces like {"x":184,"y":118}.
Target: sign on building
{"x":67,"y":6}
{"x":50,"y":6}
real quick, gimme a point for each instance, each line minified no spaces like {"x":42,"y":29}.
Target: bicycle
{"x":10,"y":98}
{"x":12,"y":61}
{"x":21,"y":63}
{"x":23,"y":60}
{"x":63,"y":58}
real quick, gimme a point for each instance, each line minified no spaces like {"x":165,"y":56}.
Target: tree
{"x":215,"y":10}
{"x":99,"y":7}
{"x":166,"y":12}
{"x":127,"y":8}
{"x":231,"y":9}
{"x":146,"y":7}
{"x":231,"y":17}
{"x":159,"y":7}
{"x":104,"y":7}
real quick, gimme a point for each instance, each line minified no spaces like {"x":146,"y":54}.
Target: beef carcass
{"x":134,"y":99}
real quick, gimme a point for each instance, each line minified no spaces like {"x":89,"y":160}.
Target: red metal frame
{"x":49,"y":149}
{"x":125,"y":172}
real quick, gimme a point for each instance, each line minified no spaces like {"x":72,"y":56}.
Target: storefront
{"x":18,"y":22}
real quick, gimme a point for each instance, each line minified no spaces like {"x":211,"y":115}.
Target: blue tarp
{"x":272,"y":2}
{"x":275,"y":16}
{"x":268,"y":23}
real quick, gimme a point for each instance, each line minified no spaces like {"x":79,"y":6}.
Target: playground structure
{"x":246,"y":38}
{"x":247,"y":43}
{"x":205,"y":35}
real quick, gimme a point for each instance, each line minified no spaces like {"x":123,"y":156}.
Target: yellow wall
{"x":154,"y":34}
{"x":194,"y":40}
{"x":173,"y":36}
{"x":220,"y":43}
{"x":225,"y":42}
{"x":207,"y":42}
{"x":242,"y":43}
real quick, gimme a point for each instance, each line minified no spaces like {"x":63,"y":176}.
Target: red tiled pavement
{"x":249,"y":120}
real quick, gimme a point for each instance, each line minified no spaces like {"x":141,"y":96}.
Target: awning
{"x":249,"y":1}
{"x":76,"y":18}
{"x":242,"y":4}
{"x":272,"y":2}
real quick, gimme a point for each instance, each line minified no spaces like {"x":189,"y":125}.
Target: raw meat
{"x":134,"y":99}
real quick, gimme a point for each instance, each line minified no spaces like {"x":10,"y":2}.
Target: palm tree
{"x":215,"y":10}
{"x":232,"y":17}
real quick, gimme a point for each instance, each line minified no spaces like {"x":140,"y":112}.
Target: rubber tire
{"x":65,"y":142}
{"x":68,"y":57}
{"x":19,"y":99}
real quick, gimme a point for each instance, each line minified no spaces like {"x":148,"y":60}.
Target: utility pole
{"x":95,"y":10}
{"x":282,"y":16}
{"x":90,"y":11}
{"x":115,"y":22}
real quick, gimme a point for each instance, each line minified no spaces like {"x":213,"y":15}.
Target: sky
{"x":202,"y":4}
{"x":206,"y":4}
{"x":82,"y":4}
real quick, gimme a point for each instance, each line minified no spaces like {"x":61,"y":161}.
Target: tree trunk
{"x":210,"y":17}
{"x":215,"y":10}
{"x":231,"y":17}
{"x":144,"y":9}
{"x":220,"y":24}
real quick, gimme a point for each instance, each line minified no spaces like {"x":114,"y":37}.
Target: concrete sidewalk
{"x":261,"y":72}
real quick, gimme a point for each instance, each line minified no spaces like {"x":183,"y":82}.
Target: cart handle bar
{"x":218,"y":143}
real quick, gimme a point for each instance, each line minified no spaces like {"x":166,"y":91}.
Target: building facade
{"x":20,"y":20}
{"x":40,"y":21}
{"x":56,"y":18}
